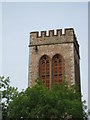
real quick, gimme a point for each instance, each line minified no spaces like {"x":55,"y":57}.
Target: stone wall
{"x":63,"y":44}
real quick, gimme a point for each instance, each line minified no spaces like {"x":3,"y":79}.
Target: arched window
{"x":45,"y":70}
{"x":57,"y":69}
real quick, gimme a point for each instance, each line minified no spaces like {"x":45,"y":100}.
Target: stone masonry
{"x":64,"y":44}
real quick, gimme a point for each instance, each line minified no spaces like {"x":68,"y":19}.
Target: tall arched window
{"x":45,"y":70}
{"x":57,"y":69}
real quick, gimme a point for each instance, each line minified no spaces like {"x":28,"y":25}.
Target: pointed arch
{"x":44,"y":65}
{"x":57,"y":68}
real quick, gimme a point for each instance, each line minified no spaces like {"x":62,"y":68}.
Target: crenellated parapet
{"x":67,"y":32}
{"x":51,"y":38}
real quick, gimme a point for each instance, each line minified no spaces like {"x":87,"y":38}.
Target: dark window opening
{"x":57,"y":69}
{"x":45,"y":70}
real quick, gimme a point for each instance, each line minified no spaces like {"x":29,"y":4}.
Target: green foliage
{"x":7,"y":94}
{"x":61,"y":101}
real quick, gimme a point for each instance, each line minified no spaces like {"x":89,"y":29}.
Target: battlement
{"x":67,"y":32}
{"x":51,"y":38}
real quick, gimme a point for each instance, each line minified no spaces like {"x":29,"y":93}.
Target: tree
{"x":61,"y":101}
{"x":7,"y":94}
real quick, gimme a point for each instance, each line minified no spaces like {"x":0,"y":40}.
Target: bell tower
{"x":54,"y":56}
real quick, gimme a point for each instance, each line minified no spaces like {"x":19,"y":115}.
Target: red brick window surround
{"x":45,"y":70}
{"x":57,"y":69}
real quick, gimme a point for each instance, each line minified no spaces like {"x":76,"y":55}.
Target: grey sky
{"x":45,"y":0}
{"x":0,"y":38}
{"x":19,"y":19}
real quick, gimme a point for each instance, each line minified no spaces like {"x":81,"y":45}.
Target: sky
{"x":19,"y":19}
{"x":44,"y":0}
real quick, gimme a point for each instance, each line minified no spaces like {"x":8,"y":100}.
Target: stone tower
{"x":54,"y":56}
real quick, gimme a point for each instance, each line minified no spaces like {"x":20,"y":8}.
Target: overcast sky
{"x":19,"y":19}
